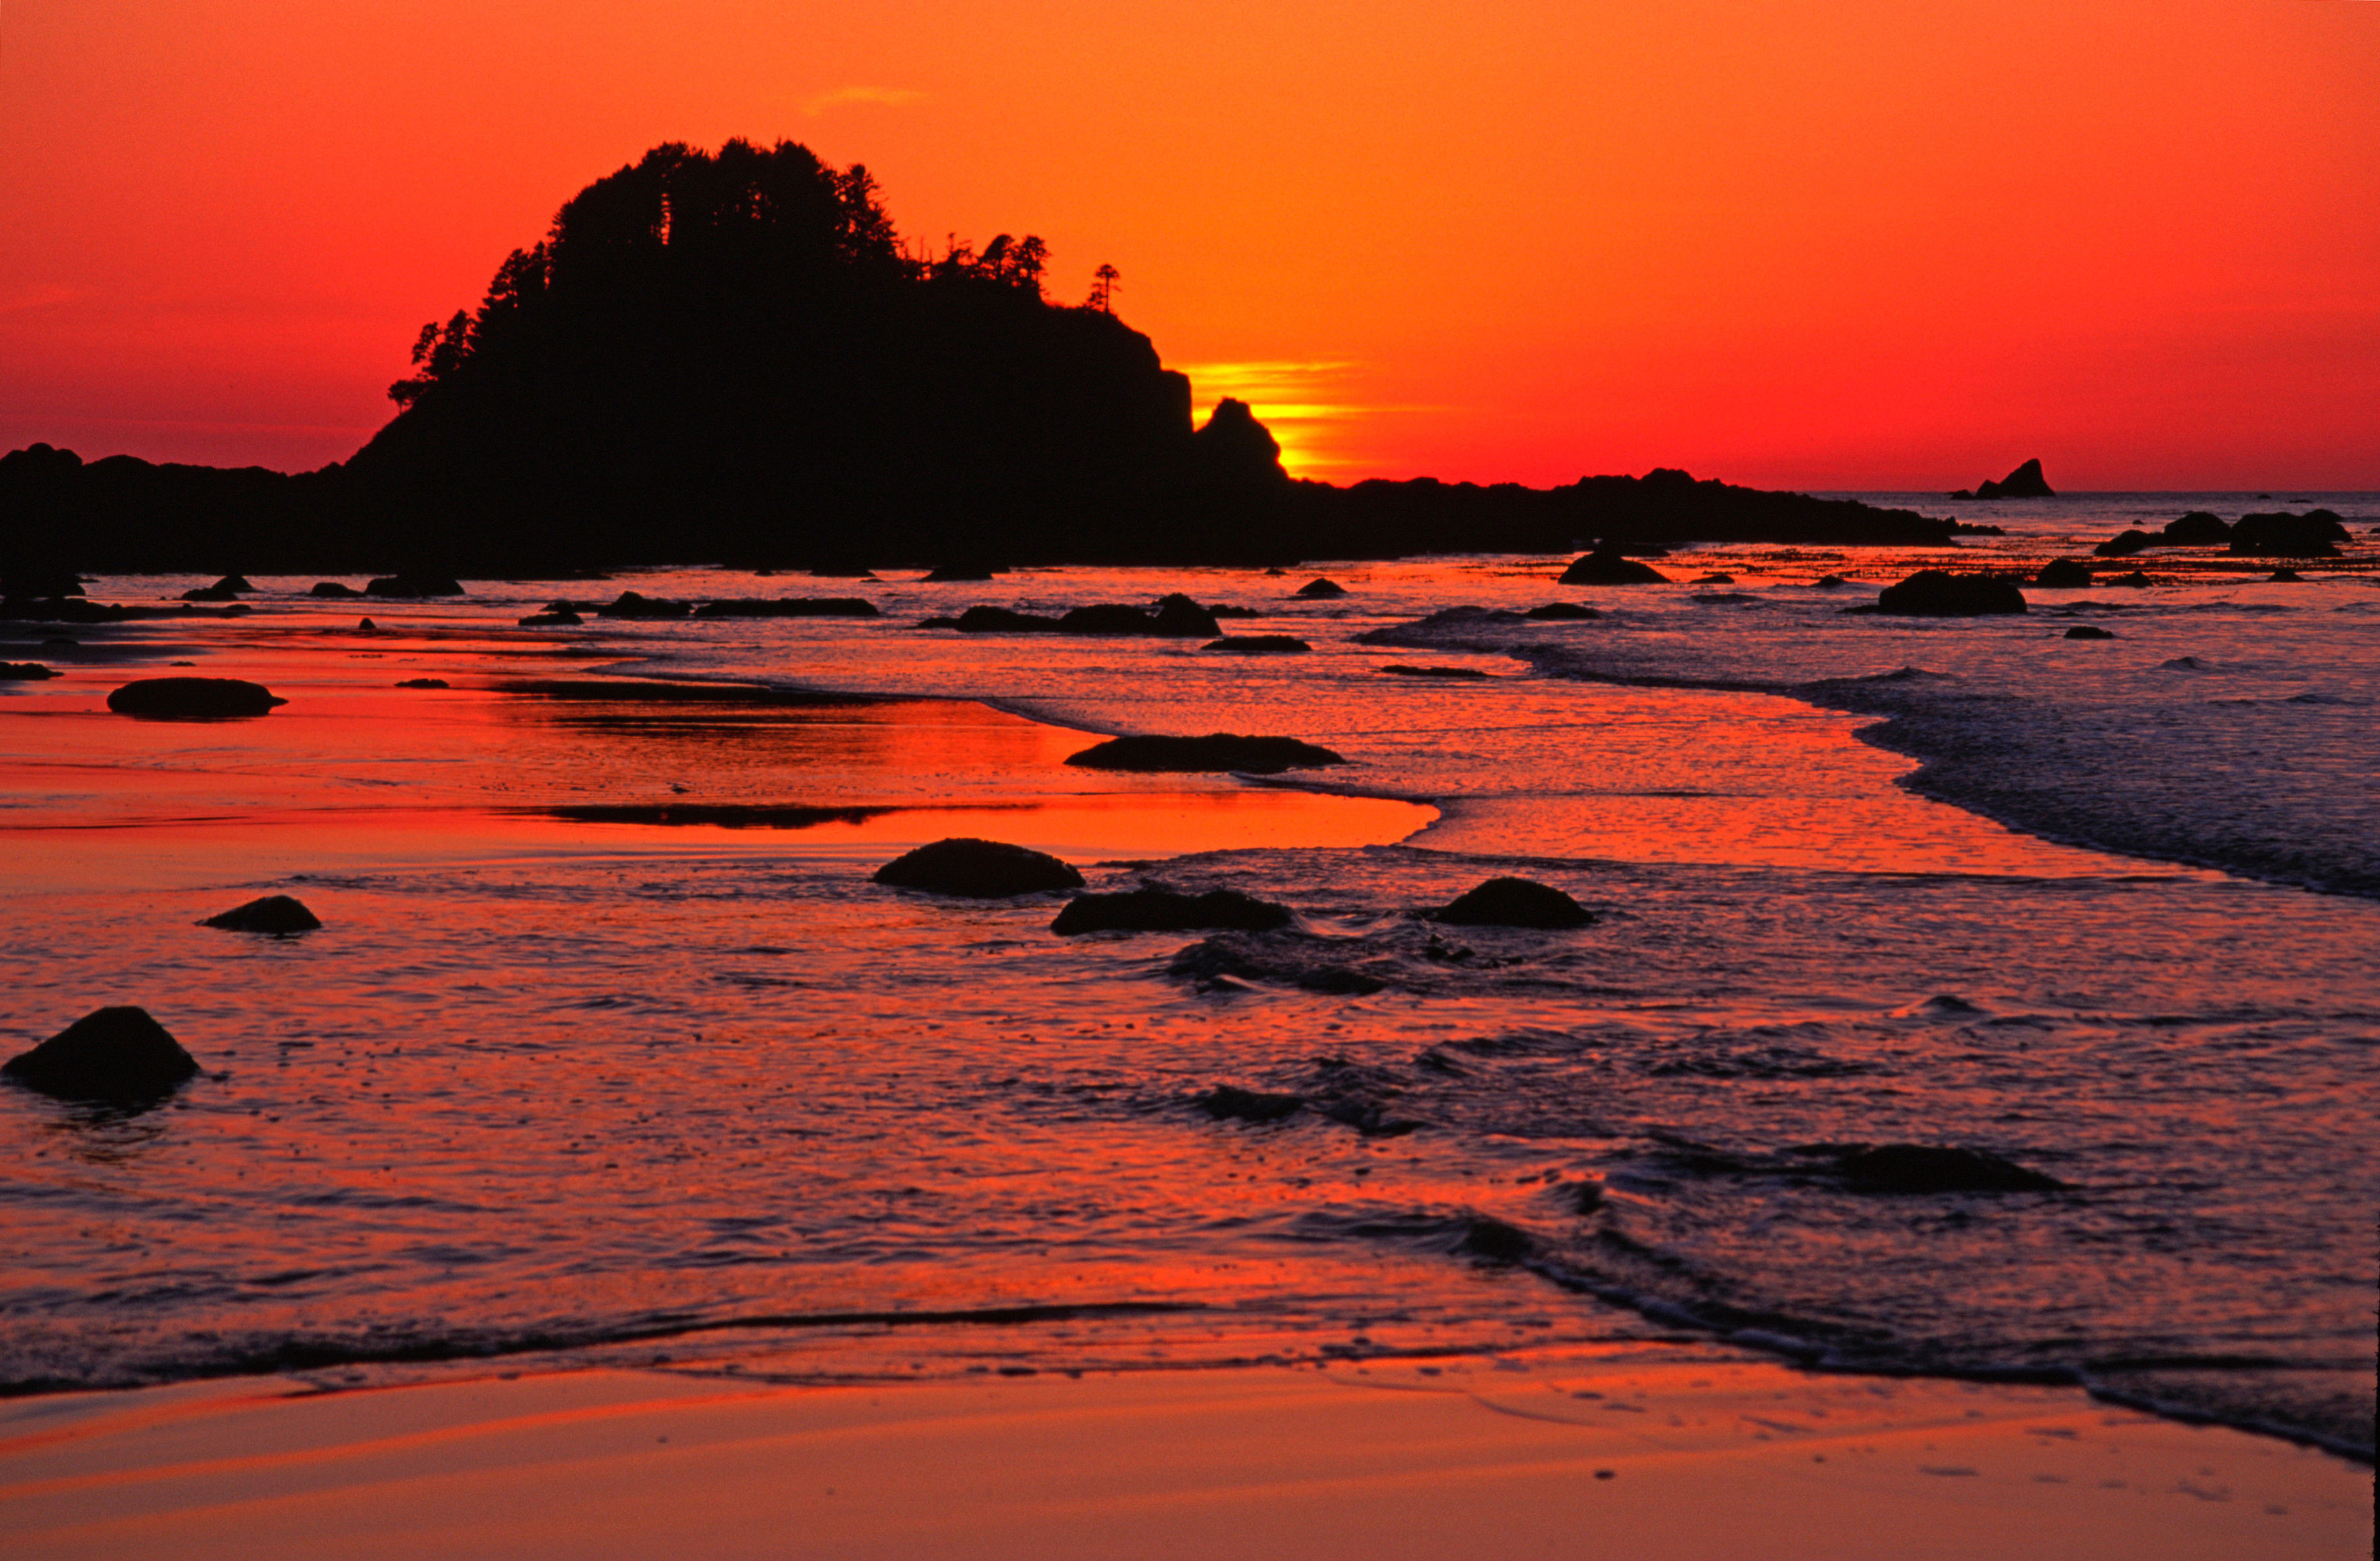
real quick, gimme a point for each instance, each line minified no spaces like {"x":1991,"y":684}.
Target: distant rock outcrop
{"x":119,"y":1055}
{"x":278,"y":914}
{"x":2025,"y":482}
{"x":978,"y":869}
{"x":1933,"y":593}
{"x":193,"y":698}
{"x":1216,"y":751}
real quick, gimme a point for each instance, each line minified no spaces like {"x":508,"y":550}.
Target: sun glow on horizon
{"x":1295,"y":401}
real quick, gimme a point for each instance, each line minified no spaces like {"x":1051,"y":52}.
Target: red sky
{"x":1811,"y":242}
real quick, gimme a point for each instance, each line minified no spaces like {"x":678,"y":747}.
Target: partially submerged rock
{"x":978,"y":869}
{"x":2311,"y":534}
{"x":1407,"y":670}
{"x":957,"y":573}
{"x":1923,"y":1167}
{"x":2124,"y":544}
{"x":1257,"y":645}
{"x":278,"y":914}
{"x":1321,"y":590}
{"x":118,"y":1055}
{"x":1229,"y":1103}
{"x":2063,"y":575}
{"x":193,"y":698}
{"x":1560,"y":612}
{"x":1933,"y":593}
{"x":1216,"y":751}
{"x":24,"y":672}
{"x":1164,"y":910}
{"x":1608,"y":566}
{"x":334,"y":588}
{"x":2197,"y":529}
{"x":424,"y":683}
{"x":1513,"y":902}
{"x":564,"y":620}
{"x":225,"y":589}
{"x":635,"y":604}
{"x":2088,"y":630}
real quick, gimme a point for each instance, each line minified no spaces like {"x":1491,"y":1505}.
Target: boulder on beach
{"x":1216,"y":751}
{"x":1513,"y":902}
{"x":2088,"y":630}
{"x":1924,"y":1167}
{"x":1608,"y":566}
{"x":118,"y":1055}
{"x":1162,"y":909}
{"x":2124,"y":544}
{"x":332,"y":588}
{"x":976,"y":869}
{"x":410,"y":585}
{"x":2025,"y":482}
{"x":2063,"y":575}
{"x":278,"y":914}
{"x":1320,"y":589}
{"x":192,"y":698}
{"x":1935,"y":593}
{"x":2196,"y":529}
{"x":1560,"y":612}
{"x":24,"y":672}
{"x":1257,"y":645}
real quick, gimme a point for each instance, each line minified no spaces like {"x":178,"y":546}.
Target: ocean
{"x":609,"y":1050}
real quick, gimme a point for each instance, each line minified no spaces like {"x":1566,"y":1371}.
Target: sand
{"x":1675,"y":1453}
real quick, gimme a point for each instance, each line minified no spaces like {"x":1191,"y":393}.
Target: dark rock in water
{"x":1307,"y":963}
{"x":1513,"y":902}
{"x":2134,"y":581}
{"x":788,"y":606}
{"x":275,"y":913}
{"x":424,"y":683}
{"x":1002,"y":621}
{"x":2025,"y":482}
{"x":635,"y":604}
{"x":414,"y":585}
{"x":1162,"y":909}
{"x":2196,"y":529}
{"x":1318,"y":589}
{"x":1405,"y":669}
{"x":1220,"y":610}
{"x":332,"y":588}
{"x":24,"y":672}
{"x":1494,"y":1240}
{"x":1921,"y":1168}
{"x":2088,"y":630}
{"x":2312,"y":534}
{"x":2285,"y":577}
{"x":1257,"y":645}
{"x":1829,"y":583}
{"x":978,"y":870}
{"x":2063,"y":575}
{"x":1229,"y":1103}
{"x":1932,"y":593}
{"x":192,"y":698}
{"x":2124,"y":544}
{"x":1178,"y":617}
{"x":1723,"y":598}
{"x":2186,"y":664}
{"x":111,"y":1054}
{"x":1607,"y":567}
{"x":225,"y":589}
{"x":1216,"y":751}
{"x":366,"y":627}
{"x":1560,"y":612}
{"x":1715,"y":580}
{"x":552,"y":621}
{"x":953,"y":574}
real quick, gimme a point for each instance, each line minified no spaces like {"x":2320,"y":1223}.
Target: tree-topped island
{"x":734,"y":358}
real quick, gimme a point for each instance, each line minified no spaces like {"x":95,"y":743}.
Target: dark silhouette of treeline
{"x":734,"y":359}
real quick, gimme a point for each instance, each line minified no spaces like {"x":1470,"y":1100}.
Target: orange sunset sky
{"x":1828,"y":244}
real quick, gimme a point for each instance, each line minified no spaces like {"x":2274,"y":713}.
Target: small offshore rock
{"x":1321,"y":590}
{"x":1216,"y":751}
{"x":2136,"y":581}
{"x":2124,"y":544}
{"x":2063,"y":575}
{"x":552,"y":621}
{"x":425,"y":683}
{"x":2025,"y":482}
{"x":978,"y":869}
{"x":1407,"y":670}
{"x":225,"y":589}
{"x":1921,"y":1168}
{"x":2088,"y":630}
{"x":332,"y":588}
{"x":950,"y":573}
{"x":1162,"y":909}
{"x":111,"y":1054}
{"x":279,"y":913}
{"x":1229,"y":1103}
{"x":1257,"y":645}
{"x":24,"y":672}
{"x":1933,"y":593}
{"x":1178,"y":617}
{"x":1608,"y":566}
{"x":193,"y":698}
{"x":635,"y":604}
{"x":1560,"y":612}
{"x":2196,"y":529}
{"x":1513,"y":902}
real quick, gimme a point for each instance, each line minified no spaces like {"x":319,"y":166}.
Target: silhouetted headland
{"x":734,"y":358}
